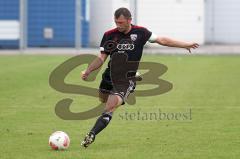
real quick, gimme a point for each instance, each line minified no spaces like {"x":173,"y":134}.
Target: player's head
{"x":123,"y":19}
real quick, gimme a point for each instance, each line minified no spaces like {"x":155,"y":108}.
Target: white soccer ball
{"x":59,"y":140}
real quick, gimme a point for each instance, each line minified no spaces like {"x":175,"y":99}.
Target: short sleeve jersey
{"x":131,"y":44}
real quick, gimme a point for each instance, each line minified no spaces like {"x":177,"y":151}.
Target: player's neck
{"x":128,"y":30}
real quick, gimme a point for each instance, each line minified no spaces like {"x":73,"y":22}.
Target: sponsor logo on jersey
{"x":125,"y":46}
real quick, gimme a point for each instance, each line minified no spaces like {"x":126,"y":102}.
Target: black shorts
{"x":122,"y":90}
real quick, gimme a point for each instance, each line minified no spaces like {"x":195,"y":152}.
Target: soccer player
{"x":125,"y":39}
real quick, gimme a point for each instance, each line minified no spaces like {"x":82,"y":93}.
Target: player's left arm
{"x":165,"y":41}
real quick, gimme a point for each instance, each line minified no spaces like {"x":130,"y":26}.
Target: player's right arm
{"x":98,"y":62}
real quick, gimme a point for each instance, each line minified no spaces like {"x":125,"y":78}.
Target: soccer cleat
{"x":89,"y":138}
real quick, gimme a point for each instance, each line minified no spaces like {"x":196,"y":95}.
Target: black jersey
{"x":130,"y":44}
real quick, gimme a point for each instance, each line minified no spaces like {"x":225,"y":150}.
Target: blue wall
{"x":9,"y":10}
{"x":56,"y":14}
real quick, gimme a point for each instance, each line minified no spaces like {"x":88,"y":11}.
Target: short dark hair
{"x":123,"y":11}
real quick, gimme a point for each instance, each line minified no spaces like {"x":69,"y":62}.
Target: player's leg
{"x":112,"y":103}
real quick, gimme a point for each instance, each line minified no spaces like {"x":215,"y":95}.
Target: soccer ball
{"x":59,"y":140}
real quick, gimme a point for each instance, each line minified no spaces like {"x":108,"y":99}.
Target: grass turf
{"x":206,"y":85}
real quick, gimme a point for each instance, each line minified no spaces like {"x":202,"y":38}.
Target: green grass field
{"x":208,"y":85}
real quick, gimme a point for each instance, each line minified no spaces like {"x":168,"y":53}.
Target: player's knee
{"x":112,"y":103}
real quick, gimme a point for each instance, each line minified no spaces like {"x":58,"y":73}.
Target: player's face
{"x":123,"y":24}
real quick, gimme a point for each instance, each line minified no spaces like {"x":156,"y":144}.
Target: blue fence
{"x":9,"y":10}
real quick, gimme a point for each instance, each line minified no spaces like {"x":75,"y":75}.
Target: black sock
{"x":102,"y":122}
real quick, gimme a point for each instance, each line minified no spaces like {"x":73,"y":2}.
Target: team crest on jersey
{"x":133,"y":37}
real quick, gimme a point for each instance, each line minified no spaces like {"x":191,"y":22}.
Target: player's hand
{"x":85,"y":75}
{"x":192,"y":46}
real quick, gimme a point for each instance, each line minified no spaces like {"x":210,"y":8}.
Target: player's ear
{"x":129,"y":20}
